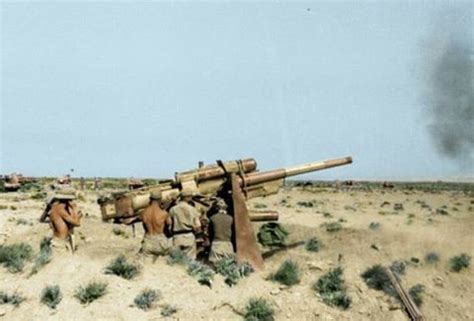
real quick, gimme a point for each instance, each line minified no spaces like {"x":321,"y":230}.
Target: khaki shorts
{"x":61,"y":246}
{"x":157,"y":245}
{"x":186,"y":243}
{"x":220,"y":250}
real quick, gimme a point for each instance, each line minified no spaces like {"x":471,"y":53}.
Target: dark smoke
{"x":448,"y":79}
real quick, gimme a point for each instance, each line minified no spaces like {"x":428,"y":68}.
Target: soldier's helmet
{"x":156,"y":195}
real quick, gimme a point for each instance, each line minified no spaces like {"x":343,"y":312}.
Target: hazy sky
{"x":147,"y":89}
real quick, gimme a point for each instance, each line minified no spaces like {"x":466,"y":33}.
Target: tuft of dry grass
{"x":121,"y":267}
{"x":91,"y":292}
{"x":287,"y":274}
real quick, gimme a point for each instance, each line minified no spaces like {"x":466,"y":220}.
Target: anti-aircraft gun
{"x":234,"y":181}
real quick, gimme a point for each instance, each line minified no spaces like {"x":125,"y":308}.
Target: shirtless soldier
{"x":185,"y":223}
{"x":220,"y":231}
{"x":155,"y":219}
{"x":63,"y":218}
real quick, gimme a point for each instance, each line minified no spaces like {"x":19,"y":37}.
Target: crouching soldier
{"x":63,"y":218}
{"x":220,"y":231}
{"x":155,"y":220}
{"x":185,"y":223}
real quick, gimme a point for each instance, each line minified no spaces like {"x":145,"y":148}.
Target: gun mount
{"x":234,"y":181}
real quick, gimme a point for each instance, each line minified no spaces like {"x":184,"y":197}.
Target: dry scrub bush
{"x":44,"y":257}
{"x":14,"y":299}
{"x":258,"y":309}
{"x":13,"y":256}
{"x":91,"y":292}
{"x":287,"y":274}
{"x":51,"y":296}
{"x":313,"y":245}
{"x":146,"y":299}
{"x":168,"y":310}
{"x":332,"y":290}
{"x":416,"y":294}
{"x":122,"y":268}
{"x":233,"y":271}
{"x":432,"y":258}
{"x":459,"y":262}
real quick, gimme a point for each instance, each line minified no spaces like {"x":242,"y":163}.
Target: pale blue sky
{"x":144,"y":90}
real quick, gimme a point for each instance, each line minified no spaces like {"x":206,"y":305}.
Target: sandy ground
{"x":448,"y":295}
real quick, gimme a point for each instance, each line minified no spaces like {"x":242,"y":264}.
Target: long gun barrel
{"x":263,"y":177}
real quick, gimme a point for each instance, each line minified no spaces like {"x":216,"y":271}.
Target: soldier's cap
{"x":59,"y":197}
{"x":156,"y":195}
{"x":221,"y":204}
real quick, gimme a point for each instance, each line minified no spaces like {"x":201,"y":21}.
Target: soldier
{"x":82,"y":183}
{"x":63,"y":217}
{"x":155,"y":219}
{"x":96,"y":183}
{"x":185,"y":223}
{"x":220,"y":230}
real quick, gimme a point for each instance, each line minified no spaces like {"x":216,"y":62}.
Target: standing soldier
{"x":155,"y":220}
{"x":185,"y":223}
{"x":63,"y":217}
{"x":220,"y":231}
{"x":82,"y":183}
{"x":96,"y":183}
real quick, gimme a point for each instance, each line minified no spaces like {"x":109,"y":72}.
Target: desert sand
{"x":411,"y":232}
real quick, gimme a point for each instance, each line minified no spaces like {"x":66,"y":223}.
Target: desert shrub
{"x":260,"y":205}
{"x":203,"y":273}
{"x":13,"y":207}
{"x":176,"y":256}
{"x":3,"y":207}
{"x":349,"y":208}
{"x":45,"y":255}
{"x":272,"y":234}
{"x":232,"y":271}
{"x":287,"y":274}
{"x":146,"y":299}
{"x":119,"y":232}
{"x":28,"y":187}
{"x":385,"y":203}
{"x":13,"y":256}
{"x":398,"y":267}
{"x":21,"y":221}
{"x":120,"y":267}
{"x":313,"y":245}
{"x":38,"y":195}
{"x":258,"y":309}
{"x":416,"y":294}
{"x":51,"y":296}
{"x":305,"y":204}
{"x":331,"y":288}
{"x":333,"y":227}
{"x":14,"y":299}
{"x":432,"y":257}
{"x":91,"y":292}
{"x":168,"y":310}
{"x":377,"y":278}
{"x":459,"y":262}
{"x":374,"y":225}
{"x":441,"y":211}
{"x":398,"y":207}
